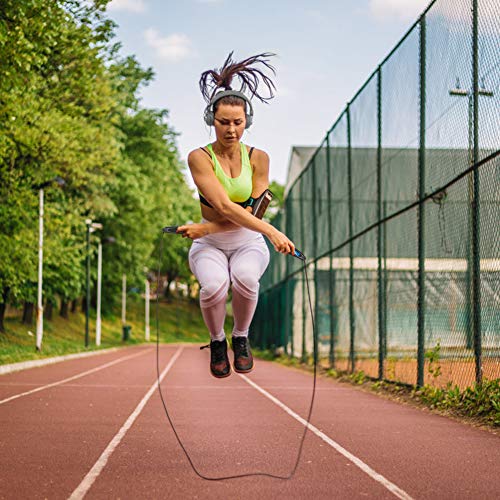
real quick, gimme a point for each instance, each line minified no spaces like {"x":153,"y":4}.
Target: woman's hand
{"x":280,"y":242}
{"x":193,"y":231}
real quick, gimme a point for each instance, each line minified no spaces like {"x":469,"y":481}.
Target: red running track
{"x":102,"y":433}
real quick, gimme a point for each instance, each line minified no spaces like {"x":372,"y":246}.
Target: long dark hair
{"x":213,"y":80}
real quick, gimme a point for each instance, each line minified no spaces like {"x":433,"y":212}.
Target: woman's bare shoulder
{"x":198,"y":155}
{"x":259,"y":157}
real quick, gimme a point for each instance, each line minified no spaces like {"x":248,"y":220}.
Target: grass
{"x":477,"y":405}
{"x":481,"y":401}
{"x":179,"y":321}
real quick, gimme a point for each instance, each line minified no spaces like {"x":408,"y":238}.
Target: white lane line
{"x":93,"y":474}
{"x":355,"y":460}
{"x":74,"y":377}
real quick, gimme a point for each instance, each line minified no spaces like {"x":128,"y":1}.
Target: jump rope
{"x":302,"y":257}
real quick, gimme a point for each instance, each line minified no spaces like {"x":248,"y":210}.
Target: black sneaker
{"x":219,"y":362}
{"x":243,"y":359}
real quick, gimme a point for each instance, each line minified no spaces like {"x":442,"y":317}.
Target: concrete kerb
{"x":25,"y":365}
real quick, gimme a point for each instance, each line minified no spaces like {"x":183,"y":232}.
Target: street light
{"x":147,"y":293}
{"x":39,"y":309}
{"x":460,"y":92}
{"x":108,"y":239}
{"x":146,"y":312}
{"x":91,"y":227}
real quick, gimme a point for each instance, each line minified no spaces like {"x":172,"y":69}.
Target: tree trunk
{"x":28,"y":313}
{"x":84,"y":304}
{"x":63,"y":312}
{"x":167,"y":292}
{"x":3,"y":307}
{"x":49,"y":307}
{"x":74,"y":305}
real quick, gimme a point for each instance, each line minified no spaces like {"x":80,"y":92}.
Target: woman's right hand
{"x":280,"y":241}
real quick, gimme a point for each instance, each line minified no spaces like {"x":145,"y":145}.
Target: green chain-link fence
{"x":398,"y":212}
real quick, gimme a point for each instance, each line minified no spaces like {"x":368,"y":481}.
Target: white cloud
{"x":401,"y":9}
{"x":209,"y":1}
{"x":174,"y":47}
{"x":136,"y":6}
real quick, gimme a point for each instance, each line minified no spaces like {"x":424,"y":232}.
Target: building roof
{"x":299,"y":158}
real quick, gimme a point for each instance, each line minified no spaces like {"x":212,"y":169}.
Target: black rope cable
{"x":249,"y":474}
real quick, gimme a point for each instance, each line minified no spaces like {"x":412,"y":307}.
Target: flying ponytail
{"x":212,"y":81}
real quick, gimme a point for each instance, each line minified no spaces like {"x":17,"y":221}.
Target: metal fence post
{"x":351,"y":247}
{"x":315,"y":251}
{"x":476,"y":270}
{"x":385,"y":274}
{"x":303,"y":356}
{"x":285,"y":317}
{"x":271,"y":336}
{"x":266,"y":325}
{"x":289,"y":296}
{"x":381,"y":329}
{"x":421,"y":214}
{"x":281,"y":315}
{"x":331,"y":353}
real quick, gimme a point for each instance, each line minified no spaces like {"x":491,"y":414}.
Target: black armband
{"x":249,"y":203}
{"x":259,"y":205}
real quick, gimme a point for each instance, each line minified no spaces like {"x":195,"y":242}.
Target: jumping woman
{"x":228,"y":246}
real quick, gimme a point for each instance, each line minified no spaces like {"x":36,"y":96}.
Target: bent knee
{"x":213,"y":292}
{"x":246,"y":283}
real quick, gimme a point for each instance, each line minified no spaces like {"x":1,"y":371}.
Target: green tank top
{"x":238,"y":188}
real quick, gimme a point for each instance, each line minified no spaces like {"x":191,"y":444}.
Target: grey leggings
{"x":239,"y":258}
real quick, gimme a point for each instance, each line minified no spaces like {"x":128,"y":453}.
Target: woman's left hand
{"x":193,"y":231}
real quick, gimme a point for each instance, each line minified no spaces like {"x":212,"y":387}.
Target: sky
{"x":326,"y":49}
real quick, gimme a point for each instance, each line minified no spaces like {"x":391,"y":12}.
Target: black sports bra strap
{"x":203,"y":149}
{"x":249,"y":153}
{"x":204,"y":200}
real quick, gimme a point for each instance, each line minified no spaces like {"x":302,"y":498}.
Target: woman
{"x":228,"y":244}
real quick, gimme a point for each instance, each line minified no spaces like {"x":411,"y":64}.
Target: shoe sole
{"x":242,"y":371}
{"x":221,"y":376}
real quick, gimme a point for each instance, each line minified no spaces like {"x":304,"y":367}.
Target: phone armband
{"x":260,"y":204}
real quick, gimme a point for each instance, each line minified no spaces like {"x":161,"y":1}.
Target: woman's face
{"x":229,"y":123}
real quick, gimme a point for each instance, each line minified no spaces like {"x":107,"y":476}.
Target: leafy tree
{"x":69,"y":107}
{"x":56,"y":110}
{"x":155,"y":194}
{"x":278,"y":191}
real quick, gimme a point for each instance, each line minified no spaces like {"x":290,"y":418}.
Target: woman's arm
{"x":260,"y":182}
{"x":206,"y":181}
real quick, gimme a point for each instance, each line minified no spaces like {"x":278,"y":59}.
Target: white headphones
{"x":209,"y":115}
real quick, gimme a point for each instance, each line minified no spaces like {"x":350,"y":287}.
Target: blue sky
{"x":325,"y":51}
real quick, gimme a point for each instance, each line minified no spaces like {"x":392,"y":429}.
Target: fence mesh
{"x":398,"y":213}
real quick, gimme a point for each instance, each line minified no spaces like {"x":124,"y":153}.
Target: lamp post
{"x":147,"y":293}
{"x":39,"y":309}
{"x":98,"y":313}
{"x":469,"y":94}
{"x":91,"y":227}
{"x":39,"y":306}
{"x":109,"y":239}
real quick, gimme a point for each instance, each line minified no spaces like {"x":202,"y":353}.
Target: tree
{"x":69,"y":107}
{"x":278,"y":191}
{"x":56,"y":111}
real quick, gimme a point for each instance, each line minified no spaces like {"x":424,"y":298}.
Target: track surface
{"x":110,"y":421}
